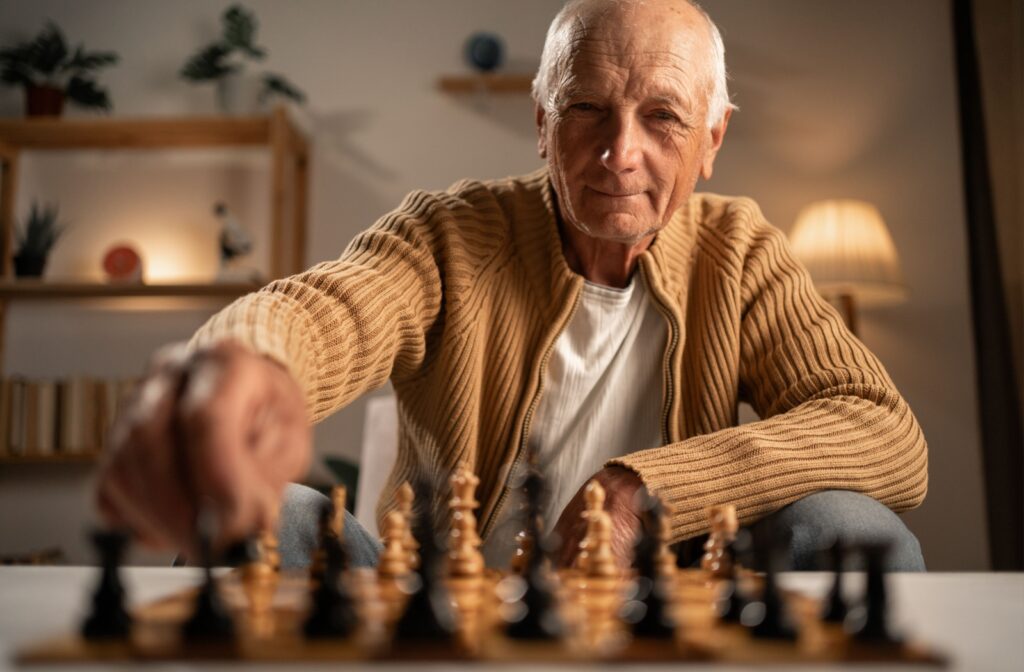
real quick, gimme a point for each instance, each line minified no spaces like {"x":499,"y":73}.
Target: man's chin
{"x":619,"y":229}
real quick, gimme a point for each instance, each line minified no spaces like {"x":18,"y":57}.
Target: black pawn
{"x":835,"y":608}
{"x":108,"y":619}
{"x":210,"y":621}
{"x":773,"y":623}
{"x":655,"y":621}
{"x":732,"y":602}
{"x":333,"y":614}
{"x":428,"y":613}
{"x":875,"y":629}
{"x":540,"y":620}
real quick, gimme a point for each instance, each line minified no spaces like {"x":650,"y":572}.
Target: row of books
{"x":70,"y":416}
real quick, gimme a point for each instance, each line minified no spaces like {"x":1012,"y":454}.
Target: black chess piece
{"x":333,"y":613}
{"x":732,"y":601}
{"x":428,"y":615}
{"x":835,"y":607}
{"x":539,"y":619}
{"x":210,"y":621}
{"x":771,"y":622}
{"x":652,"y":619}
{"x":875,"y":629}
{"x":108,"y":619}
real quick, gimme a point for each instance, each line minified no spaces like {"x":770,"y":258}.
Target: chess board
{"x":268,"y":617}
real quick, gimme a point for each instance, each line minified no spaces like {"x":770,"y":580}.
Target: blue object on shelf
{"x":484,"y":51}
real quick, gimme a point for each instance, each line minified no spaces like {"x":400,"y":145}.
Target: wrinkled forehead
{"x":634,"y":52}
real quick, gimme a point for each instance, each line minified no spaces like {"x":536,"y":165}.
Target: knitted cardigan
{"x":458,"y":297}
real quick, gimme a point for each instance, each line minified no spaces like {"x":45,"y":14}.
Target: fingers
{"x":138,"y":486}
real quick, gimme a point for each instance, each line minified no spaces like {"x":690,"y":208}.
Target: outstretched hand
{"x":223,"y":428}
{"x":622,"y":503}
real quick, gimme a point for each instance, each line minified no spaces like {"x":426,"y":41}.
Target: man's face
{"x":628,"y":138}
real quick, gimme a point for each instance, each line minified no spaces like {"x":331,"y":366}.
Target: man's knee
{"x":298,"y":530}
{"x":816,"y":520}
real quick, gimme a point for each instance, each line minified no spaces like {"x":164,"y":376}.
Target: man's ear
{"x":542,"y":127}
{"x":717,"y":135}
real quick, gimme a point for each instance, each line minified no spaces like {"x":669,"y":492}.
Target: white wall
{"x":837,"y":98}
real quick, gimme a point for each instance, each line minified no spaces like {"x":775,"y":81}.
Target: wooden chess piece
{"x":333,"y":614}
{"x":524,"y":548}
{"x":269,"y":549}
{"x":724,"y":524}
{"x":464,"y":557}
{"x":394,"y":560}
{"x":665,"y":559}
{"x":405,"y":498}
{"x":601,"y":563}
{"x":339,"y":498}
{"x":594,"y":496}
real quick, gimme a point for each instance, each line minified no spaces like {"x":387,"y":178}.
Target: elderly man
{"x":596,"y":315}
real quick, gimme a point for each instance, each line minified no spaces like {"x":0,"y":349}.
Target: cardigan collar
{"x":668,"y":259}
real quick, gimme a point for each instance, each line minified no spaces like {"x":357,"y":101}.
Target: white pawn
{"x":594,"y":496}
{"x":394,"y":560}
{"x":464,"y":557}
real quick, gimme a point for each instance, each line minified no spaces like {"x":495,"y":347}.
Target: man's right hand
{"x":222,"y":428}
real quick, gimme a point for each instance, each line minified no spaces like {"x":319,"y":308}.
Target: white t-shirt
{"x":602,"y":398}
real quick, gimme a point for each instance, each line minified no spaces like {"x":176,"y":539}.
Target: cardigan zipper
{"x":666,"y":360}
{"x":527,"y":420}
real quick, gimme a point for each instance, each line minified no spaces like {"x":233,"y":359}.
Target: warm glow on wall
{"x":848,"y":250}
{"x":176,"y":255}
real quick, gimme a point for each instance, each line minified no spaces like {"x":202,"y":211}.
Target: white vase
{"x":238,"y":93}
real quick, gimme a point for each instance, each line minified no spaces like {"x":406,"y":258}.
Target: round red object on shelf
{"x":122,"y":263}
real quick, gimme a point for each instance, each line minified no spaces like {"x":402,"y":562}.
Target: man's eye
{"x":583,"y":107}
{"x":663,"y":115}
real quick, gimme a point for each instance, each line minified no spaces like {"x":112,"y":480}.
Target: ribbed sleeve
{"x":831,"y":416}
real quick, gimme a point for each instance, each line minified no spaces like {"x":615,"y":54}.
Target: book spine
{"x":45,"y":420}
{"x":16,"y":437}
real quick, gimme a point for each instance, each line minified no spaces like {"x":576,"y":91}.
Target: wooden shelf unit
{"x":289,"y":154}
{"x":290,"y":163}
{"x":29,"y":290}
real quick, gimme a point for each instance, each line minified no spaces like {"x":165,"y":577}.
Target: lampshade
{"x":848,"y":250}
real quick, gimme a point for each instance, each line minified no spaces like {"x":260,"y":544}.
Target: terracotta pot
{"x":43,"y":101}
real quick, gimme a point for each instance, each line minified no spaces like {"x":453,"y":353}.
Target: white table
{"x":977,"y":619}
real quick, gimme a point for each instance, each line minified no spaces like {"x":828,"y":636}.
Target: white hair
{"x":555,"y":56}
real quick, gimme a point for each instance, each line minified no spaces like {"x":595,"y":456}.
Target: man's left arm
{"x":831,"y":418}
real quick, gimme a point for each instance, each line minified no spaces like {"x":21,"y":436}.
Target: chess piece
{"x":524,"y":548}
{"x":333,"y":613}
{"x":771,"y":622}
{"x":538,"y":617}
{"x":731,"y":601}
{"x":108,"y":619}
{"x":405,"y":498}
{"x":875,"y":629}
{"x":593,"y":495}
{"x":666,"y":559}
{"x":210,"y":621}
{"x":648,"y":611}
{"x":835,"y":607}
{"x":269,"y":549}
{"x":259,"y":580}
{"x":427,"y":617}
{"x":601,"y":563}
{"x":464,"y":557}
{"x":339,"y":498}
{"x":723,"y":523}
{"x":394,"y":560}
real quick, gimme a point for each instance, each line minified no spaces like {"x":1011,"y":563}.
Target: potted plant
{"x":224,"y":62}
{"x":51,"y":72}
{"x":35,"y":240}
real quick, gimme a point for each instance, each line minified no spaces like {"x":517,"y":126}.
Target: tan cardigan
{"x":458,"y":297}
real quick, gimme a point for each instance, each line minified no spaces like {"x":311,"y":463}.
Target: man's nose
{"x":620,"y":151}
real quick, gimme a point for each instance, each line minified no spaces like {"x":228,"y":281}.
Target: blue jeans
{"x":811,"y":523}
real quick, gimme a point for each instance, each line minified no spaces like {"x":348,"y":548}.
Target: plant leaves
{"x":240,"y":30}
{"x":87,"y":93}
{"x":83,"y":60}
{"x":208,"y":64}
{"x":49,"y":49}
{"x":40,"y":231}
{"x":279,"y":84}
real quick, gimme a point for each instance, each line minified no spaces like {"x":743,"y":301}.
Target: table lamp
{"x":848,"y":250}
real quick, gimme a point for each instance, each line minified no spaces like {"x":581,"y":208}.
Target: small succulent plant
{"x":39,"y":233}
